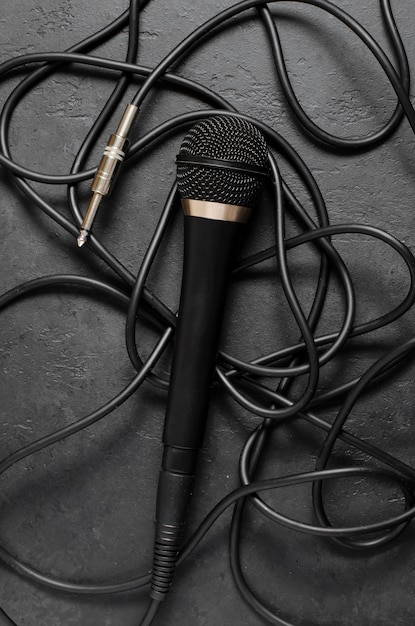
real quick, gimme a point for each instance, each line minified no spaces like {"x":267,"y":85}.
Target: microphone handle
{"x":209,"y":247}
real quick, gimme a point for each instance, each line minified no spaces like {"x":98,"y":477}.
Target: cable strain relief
{"x":173,"y":496}
{"x":166,"y":552}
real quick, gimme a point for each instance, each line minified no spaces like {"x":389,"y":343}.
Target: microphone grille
{"x":230,"y":140}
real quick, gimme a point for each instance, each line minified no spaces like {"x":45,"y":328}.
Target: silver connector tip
{"x":82,"y":238}
{"x":88,"y":219}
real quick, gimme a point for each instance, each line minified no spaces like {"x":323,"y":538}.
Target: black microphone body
{"x":208,"y":256}
{"x":212,"y":228}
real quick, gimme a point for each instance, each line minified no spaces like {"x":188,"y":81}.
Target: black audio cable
{"x":238,"y":378}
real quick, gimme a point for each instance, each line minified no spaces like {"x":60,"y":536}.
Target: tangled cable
{"x":245,"y":382}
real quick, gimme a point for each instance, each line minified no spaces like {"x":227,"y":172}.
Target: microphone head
{"x":222,"y":159}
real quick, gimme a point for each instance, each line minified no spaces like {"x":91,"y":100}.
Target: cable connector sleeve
{"x":173,"y":496}
{"x":114,"y":154}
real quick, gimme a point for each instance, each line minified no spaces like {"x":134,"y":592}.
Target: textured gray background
{"x":83,"y":509}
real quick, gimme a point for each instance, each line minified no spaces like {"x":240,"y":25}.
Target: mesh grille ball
{"x":228,"y":139}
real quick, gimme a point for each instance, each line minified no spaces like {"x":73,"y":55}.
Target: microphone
{"x":220,"y":168}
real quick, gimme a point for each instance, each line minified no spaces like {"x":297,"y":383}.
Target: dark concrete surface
{"x":83,"y":509}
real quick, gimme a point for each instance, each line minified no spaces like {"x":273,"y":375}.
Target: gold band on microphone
{"x":215,"y":210}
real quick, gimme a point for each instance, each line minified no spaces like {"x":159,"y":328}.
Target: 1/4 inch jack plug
{"x":108,"y":169}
